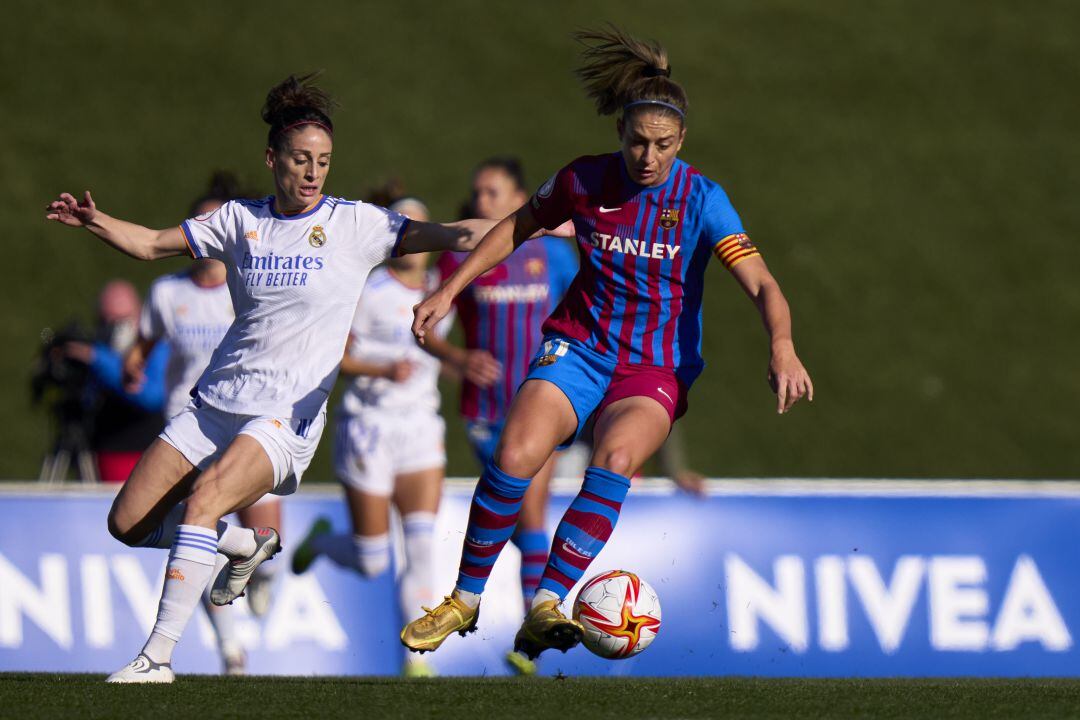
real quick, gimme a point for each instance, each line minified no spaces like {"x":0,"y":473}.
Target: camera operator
{"x":125,"y":420}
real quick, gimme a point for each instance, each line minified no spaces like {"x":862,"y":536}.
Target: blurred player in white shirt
{"x":296,"y":264}
{"x":192,"y":310}
{"x":389,"y":440}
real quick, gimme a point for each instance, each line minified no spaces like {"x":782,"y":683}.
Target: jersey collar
{"x":306,"y":212}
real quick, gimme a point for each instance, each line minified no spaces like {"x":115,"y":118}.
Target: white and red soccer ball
{"x":620,"y":613}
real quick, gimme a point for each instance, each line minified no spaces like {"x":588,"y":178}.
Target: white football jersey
{"x":193,"y":319}
{"x":295,"y":281}
{"x":382,"y":333}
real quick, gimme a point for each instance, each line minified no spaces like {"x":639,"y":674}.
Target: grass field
{"x":909,"y":170}
{"x":43,"y":696}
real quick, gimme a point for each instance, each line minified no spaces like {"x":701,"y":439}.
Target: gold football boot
{"x":428,"y":632}
{"x":545,"y":628}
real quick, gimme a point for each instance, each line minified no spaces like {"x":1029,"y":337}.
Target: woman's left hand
{"x":788,"y":378}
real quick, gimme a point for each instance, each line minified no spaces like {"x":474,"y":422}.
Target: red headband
{"x":297,"y":124}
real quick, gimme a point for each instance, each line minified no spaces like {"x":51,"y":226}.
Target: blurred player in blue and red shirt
{"x":501,"y":313}
{"x":625,"y":343}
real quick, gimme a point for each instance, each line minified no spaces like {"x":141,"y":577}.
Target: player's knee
{"x":617,"y":459}
{"x":119,"y":532}
{"x":517,"y":459}
{"x":120,"y":529}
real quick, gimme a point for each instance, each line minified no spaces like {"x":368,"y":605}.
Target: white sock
{"x":235,"y":541}
{"x":221,"y":618}
{"x":191,"y":565}
{"x":368,"y":555}
{"x":469,"y":598}
{"x":163,"y":535}
{"x":543,"y":595}
{"x":372,"y":554}
{"x":414,"y":589}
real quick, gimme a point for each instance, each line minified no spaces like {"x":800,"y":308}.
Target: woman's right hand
{"x":69,"y":211}
{"x":430,"y":311}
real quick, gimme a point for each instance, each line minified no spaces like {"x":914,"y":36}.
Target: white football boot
{"x":143,"y":670}
{"x":233,"y":579}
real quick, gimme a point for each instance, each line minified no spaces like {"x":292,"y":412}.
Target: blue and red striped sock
{"x":533,"y":545}
{"x":494,"y":513}
{"x":585,"y":529}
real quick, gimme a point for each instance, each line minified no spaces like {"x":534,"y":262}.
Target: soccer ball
{"x":620,"y":613}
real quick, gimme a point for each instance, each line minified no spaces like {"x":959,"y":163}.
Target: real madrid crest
{"x":317,"y":238}
{"x":669,"y":218}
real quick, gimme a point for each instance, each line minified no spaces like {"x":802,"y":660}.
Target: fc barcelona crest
{"x":553,"y":350}
{"x":669,"y":218}
{"x":317,"y":238}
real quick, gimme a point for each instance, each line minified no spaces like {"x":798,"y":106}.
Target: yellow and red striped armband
{"x":733,"y":249}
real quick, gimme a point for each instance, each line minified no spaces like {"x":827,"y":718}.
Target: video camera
{"x":59,"y":383}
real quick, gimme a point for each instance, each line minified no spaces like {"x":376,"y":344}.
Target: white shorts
{"x":201,"y":433}
{"x":372,"y":448}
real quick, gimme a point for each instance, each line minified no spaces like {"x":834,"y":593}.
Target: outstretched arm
{"x":139,"y":242}
{"x":460,"y":236}
{"x":787,"y":376}
{"x":500,"y":241}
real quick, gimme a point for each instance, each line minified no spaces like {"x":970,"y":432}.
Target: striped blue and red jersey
{"x":502,"y":311}
{"x":644,"y":250}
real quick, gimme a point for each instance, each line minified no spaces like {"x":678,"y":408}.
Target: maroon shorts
{"x":657,"y":383}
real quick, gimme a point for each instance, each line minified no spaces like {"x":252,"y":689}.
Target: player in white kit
{"x":296,"y":264}
{"x":389,"y":437}
{"x":192,"y":310}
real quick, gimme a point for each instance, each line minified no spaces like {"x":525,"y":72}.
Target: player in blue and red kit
{"x":624,"y":344}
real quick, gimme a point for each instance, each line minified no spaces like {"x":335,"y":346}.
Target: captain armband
{"x":733,"y":249}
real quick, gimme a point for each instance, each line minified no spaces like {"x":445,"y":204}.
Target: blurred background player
{"x":123,"y":420}
{"x":389,"y":441}
{"x":624,"y":344}
{"x":191,"y":311}
{"x":501,"y":313}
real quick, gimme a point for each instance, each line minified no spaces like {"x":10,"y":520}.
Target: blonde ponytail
{"x":618,"y":70}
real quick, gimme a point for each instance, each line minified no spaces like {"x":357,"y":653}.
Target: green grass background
{"x":909,"y":169}
{"x":34,"y":696}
